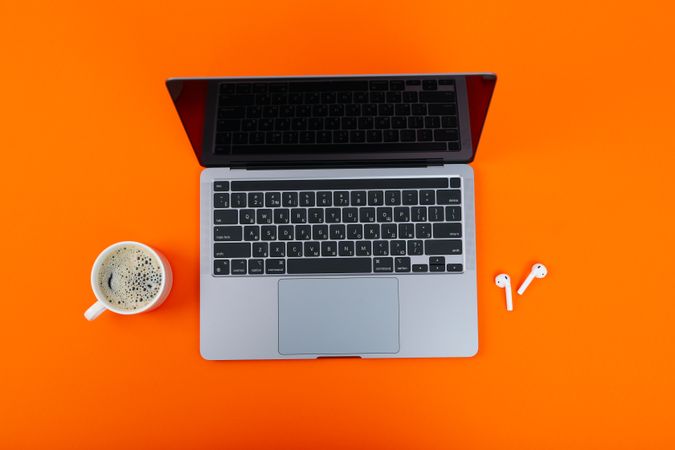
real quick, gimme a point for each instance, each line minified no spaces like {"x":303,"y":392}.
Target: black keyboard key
{"x":246,"y":216}
{"x":324,"y":199}
{"x":350,"y":215}
{"x":410,"y":97}
{"x":455,"y":183}
{"x":294,"y":249}
{"x":281,"y":215}
{"x":329,"y":265}
{"x":346,"y":248}
{"x":418,"y":213}
{"x":357,"y":136}
{"x":427,"y":197}
{"x":390,"y":135}
{"x":374,"y":136}
{"x":268,"y":233}
{"x":367,"y":214}
{"x":275,"y":266}
{"x":320,"y":232}
{"x":240,"y":138}
{"x":453,"y":213}
{"x":396,"y":85}
{"x":358,"y":198}
{"x":324,"y":137}
{"x":303,"y":232}
{"x":307,"y":199}
{"x":371,"y":231}
{"x":449,"y":197}
{"x":230,"y":112}
{"x":394,"y":97}
{"x":225,"y":216}
{"x":298,"y":215}
{"x":437,"y":267}
{"x":429,"y":85}
{"x":286,"y":232}
{"x":264,"y":216}
{"x":447,"y":230}
{"x":385,"y":214}
{"x":255,"y":199}
{"x":383,"y":265}
{"x":232,"y":233}
{"x":379,"y":85}
{"x":260,"y":249}
{"x":406,"y":231}
{"x":397,"y":247}
{"x":419,"y":109}
{"x":445,"y":135}
{"x":402,"y":214}
{"x":380,"y":248}
{"x":420,"y":268}
{"x":290,"y":137}
{"x":435,"y":214}
{"x":348,"y":123}
{"x":337,"y":232}
{"x":355,"y":231}
{"x":416,"y":247}
{"x":272,"y":199}
{"x":307,"y":137}
{"x":315,"y":215}
{"x":413,"y":82}
{"x":392,"y":198}
{"x":363,"y":248}
{"x":434,"y":122}
{"x":388,"y":230}
{"x":256,"y":266}
{"x":221,"y":185}
{"x":341,"y":198}
{"x":228,"y":125}
{"x":409,"y":197}
{"x":312,"y":248}
{"x":232,"y":250}
{"x":375,"y":198}
{"x":365,"y":123}
{"x":238,"y":267}
{"x":449,"y":122}
{"x":437,"y":97}
{"x":328,"y":248}
{"x":252,"y":233}
{"x":437,"y":260}
{"x":424,"y":135}
{"x":423,"y":230}
{"x":402,"y":264}
{"x":441,"y":109}
{"x":277,"y":249}
{"x":443,"y":247}
{"x":384,"y":109}
{"x":340,"y":137}
{"x":221,"y":267}
{"x":382,"y":123}
{"x":238,"y":200}
{"x":399,"y":122}
{"x":455,"y":268}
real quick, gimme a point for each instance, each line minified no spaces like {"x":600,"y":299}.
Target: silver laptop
{"x":336,"y":213}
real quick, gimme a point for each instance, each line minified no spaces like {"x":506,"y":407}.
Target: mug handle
{"x":94,"y":310}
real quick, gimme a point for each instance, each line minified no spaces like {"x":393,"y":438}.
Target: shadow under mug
{"x":101,"y":305}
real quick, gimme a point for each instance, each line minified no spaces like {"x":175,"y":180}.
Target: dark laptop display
{"x":401,"y":119}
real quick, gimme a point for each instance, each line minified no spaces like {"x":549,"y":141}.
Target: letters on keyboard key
{"x":232,"y":250}
{"x":443,"y":247}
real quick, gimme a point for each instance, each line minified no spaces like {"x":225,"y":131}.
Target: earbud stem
{"x":526,"y":283}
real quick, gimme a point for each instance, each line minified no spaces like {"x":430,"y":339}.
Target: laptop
{"x":336,"y":213}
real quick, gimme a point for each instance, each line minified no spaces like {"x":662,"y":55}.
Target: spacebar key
{"x":328,"y":265}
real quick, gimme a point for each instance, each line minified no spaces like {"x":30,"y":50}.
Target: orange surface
{"x":575,"y":170}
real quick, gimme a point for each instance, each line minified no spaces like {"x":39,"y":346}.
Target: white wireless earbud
{"x":538,"y":271}
{"x":503,"y":281}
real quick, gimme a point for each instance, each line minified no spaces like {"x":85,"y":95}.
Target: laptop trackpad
{"x":344,"y":316}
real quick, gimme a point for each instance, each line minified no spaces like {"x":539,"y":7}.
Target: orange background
{"x":575,"y":170}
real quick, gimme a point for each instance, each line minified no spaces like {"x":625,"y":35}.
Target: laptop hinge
{"x":335,"y":165}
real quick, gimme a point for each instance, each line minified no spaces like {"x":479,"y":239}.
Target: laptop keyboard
{"x":337,"y":226}
{"x":341,"y":116}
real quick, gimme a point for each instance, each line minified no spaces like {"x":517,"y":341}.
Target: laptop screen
{"x":333,"y":120}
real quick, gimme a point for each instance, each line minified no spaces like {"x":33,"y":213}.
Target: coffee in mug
{"x":128,"y":278}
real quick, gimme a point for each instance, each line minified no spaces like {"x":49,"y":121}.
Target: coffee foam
{"x":129,"y":278}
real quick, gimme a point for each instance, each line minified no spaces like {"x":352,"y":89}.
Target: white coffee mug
{"x":101,"y":305}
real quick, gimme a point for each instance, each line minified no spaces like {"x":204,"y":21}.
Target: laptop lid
{"x":248,"y":121}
